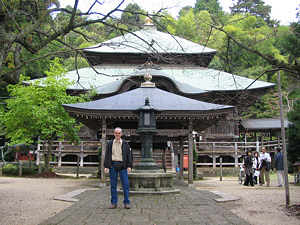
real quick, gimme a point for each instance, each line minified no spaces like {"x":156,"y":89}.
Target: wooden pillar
{"x":103,"y":151}
{"x":181,"y":159}
{"x":190,"y":144}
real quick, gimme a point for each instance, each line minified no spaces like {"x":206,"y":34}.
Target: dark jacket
{"x":248,"y":166}
{"x":278,"y":163}
{"x":126,"y":154}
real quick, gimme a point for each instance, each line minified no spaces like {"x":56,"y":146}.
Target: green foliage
{"x":293,"y":134}
{"x":133,"y":16}
{"x":36,"y":110}
{"x":207,"y":5}
{"x":254,"y":7}
{"x":71,"y":62}
{"x":211,"y":6}
{"x":10,"y":169}
{"x":265,"y":107}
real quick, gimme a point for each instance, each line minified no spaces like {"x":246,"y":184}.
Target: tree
{"x":27,"y":28}
{"x":212,"y":6}
{"x":293,"y":134}
{"x":36,"y":110}
{"x":254,"y":7}
{"x":133,"y":16}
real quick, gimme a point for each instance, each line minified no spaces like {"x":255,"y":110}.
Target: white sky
{"x":282,"y":10}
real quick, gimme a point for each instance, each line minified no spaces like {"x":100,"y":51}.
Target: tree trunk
{"x":47,"y":158}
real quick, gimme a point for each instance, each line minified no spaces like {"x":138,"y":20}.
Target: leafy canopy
{"x":36,"y":109}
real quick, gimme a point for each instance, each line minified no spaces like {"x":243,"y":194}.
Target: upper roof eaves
{"x":149,"y":41}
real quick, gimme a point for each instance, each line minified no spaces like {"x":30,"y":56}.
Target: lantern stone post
{"x":146,"y":129}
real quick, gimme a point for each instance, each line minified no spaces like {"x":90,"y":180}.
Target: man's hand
{"x":106,"y":170}
{"x":128,"y":170}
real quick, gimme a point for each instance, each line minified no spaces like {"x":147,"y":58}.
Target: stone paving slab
{"x":189,"y":207}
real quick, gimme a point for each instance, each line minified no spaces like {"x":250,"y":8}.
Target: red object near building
{"x":186,"y":161}
{"x":21,"y":156}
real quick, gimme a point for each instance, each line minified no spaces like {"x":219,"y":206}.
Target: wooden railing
{"x":235,"y":146}
{"x":213,"y":150}
{"x":63,"y":148}
{"x":235,"y":150}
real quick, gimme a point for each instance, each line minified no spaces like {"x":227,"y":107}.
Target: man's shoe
{"x":113,"y":206}
{"x":280,"y":185}
{"x":268,"y":185}
{"x":261,"y":184}
{"x":127,"y":206}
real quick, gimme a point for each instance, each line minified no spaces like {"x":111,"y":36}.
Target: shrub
{"x":30,"y":170}
{"x":10,"y":169}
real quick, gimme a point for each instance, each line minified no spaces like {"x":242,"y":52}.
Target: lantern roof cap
{"x":147,"y":107}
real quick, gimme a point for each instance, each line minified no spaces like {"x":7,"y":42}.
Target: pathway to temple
{"x":190,"y":207}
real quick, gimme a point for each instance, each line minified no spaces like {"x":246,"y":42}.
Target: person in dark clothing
{"x":118,"y":161}
{"x":278,"y":166}
{"x":248,"y":169}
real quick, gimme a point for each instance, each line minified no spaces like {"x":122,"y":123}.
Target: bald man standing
{"x":118,"y":160}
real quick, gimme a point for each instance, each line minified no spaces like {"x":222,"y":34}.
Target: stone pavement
{"x":190,"y":207}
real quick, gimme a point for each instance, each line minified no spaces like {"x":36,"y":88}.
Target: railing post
{"x":20,"y":169}
{"x":214,"y":160}
{"x":59,"y":154}
{"x":81,"y":155}
{"x":214,"y":155}
{"x":38,"y":154}
{"x":236,"y":154}
{"x":221,"y":171}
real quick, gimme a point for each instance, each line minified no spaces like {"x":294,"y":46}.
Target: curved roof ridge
{"x":149,"y":41}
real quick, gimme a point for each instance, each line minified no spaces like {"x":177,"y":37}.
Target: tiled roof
{"x":133,"y":99}
{"x":188,"y":79}
{"x":263,"y":124}
{"x":149,"y":41}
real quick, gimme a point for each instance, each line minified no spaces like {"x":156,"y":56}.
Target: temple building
{"x":198,"y":104}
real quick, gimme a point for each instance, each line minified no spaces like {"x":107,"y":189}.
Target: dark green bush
{"x":30,"y":170}
{"x":10,"y":169}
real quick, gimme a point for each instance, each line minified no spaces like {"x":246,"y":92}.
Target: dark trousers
{"x":249,"y":178}
{"x":113,"y":184}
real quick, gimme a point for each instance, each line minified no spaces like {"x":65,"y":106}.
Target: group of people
{"x":257,"y":167}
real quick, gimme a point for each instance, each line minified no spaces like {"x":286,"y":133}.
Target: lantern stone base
{"x":151,"y":182}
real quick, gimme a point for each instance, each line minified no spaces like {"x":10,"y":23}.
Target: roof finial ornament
{"x":148,"y":83}
{"x":148,"y":25}
{"x":148,"y":21}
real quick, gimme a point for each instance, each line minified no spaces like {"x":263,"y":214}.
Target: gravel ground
{"x":30,"y":200}
{"x":258,"y":204}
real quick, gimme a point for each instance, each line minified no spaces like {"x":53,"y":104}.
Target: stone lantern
{"x":146,"y":129}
